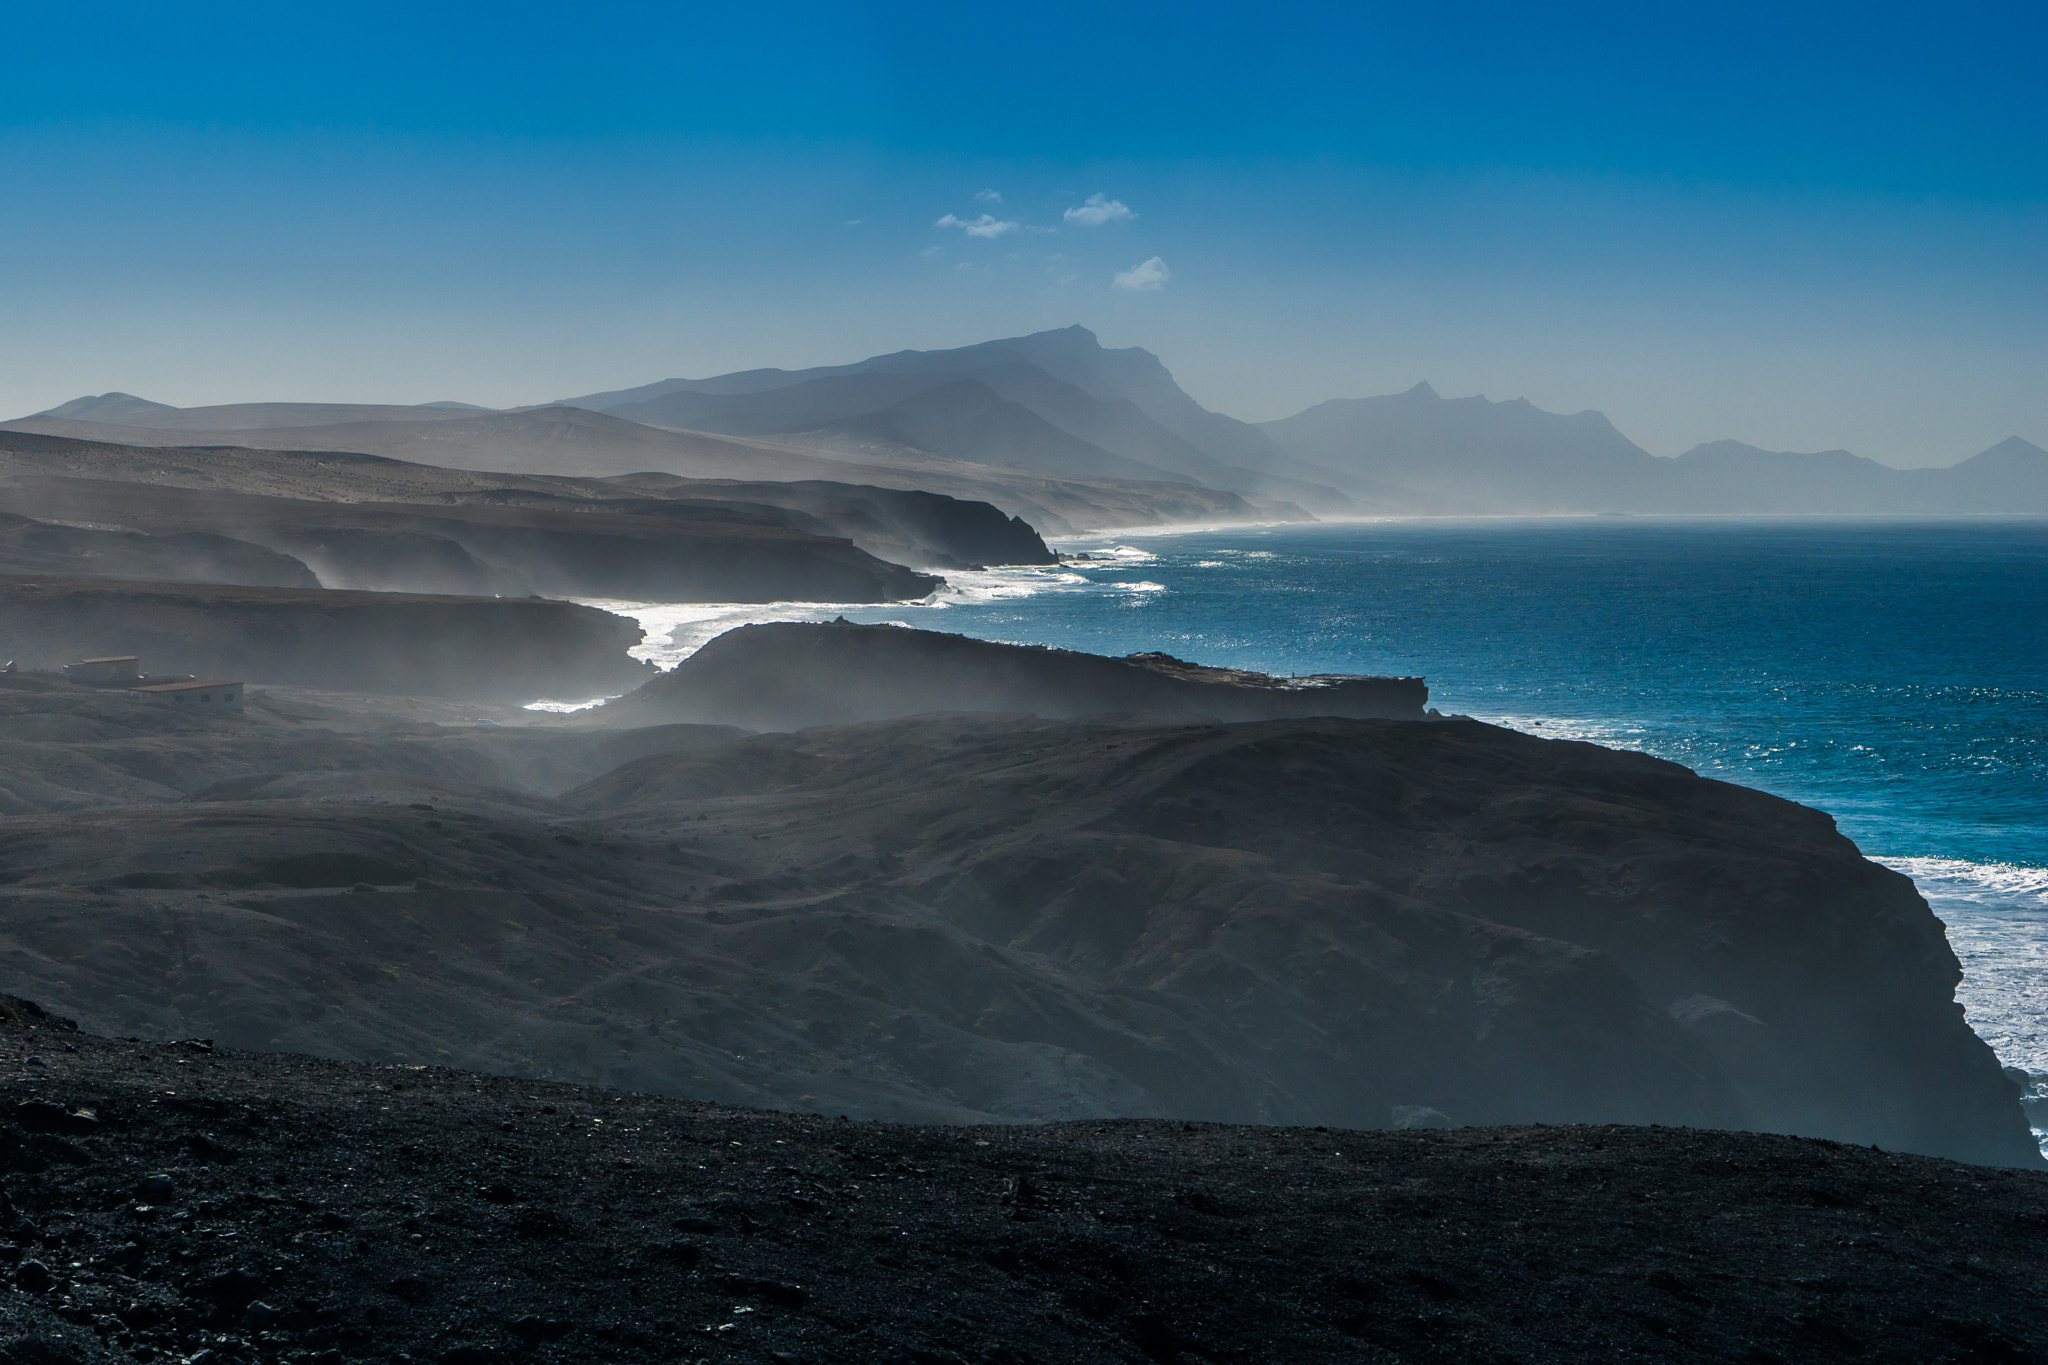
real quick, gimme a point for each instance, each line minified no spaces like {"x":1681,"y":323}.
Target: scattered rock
{"x":768,"y":1291}
{"x":1474,"y":1243}
{"x":535,"y":1328}
{"x":211,"y":1148}
{"x":43,"y":1116}
{"x":410,"y":1288}
{"x":470,"y":1355}
{"x":1201,"y":1202}
{"x":235,"y":1289}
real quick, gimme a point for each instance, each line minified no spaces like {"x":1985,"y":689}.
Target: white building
{"x":216,"y":693}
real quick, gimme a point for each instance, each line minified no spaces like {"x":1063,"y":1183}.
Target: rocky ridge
{"x":788,"y":675}
{"x":977,"y":917}
{"x":511,"y":649}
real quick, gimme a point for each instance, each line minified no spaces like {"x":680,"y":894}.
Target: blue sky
{"x":1799,"y":225}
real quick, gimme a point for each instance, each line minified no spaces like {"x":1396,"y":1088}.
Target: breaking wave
{"x":1996,"y":915}
{"x":676,"y":630}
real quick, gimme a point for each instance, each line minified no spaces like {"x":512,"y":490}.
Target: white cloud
{"x":988,"y":196}
{"x":1099,"y":210}
{"x":985,"y":226}
{"x":1148,"y":274}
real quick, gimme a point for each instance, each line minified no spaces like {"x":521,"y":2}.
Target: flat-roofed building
{"x":116,"y":668}
{"x":217,"y":693}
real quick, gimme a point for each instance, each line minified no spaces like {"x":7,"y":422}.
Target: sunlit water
{"x":1894,"y":674}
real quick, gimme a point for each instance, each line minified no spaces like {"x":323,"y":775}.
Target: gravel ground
{"x":179,"y":1201}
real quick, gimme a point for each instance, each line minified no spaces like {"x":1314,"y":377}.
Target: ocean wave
{"x":1994,"y":915}
{"x":1117,"y":554}
{"x":1612,"y":734}
{"x":1985,"y":886}
{"x":676,"y":630}
{"x":971,"y":587}
{"x":1140,"y":586}
{"x":563,"y":708}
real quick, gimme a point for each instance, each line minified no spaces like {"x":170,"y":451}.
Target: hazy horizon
{"x":1795,"y":231}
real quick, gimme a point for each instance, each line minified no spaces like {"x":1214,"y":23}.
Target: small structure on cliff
{"x":113,"y":671}
{"x":215,"y":692}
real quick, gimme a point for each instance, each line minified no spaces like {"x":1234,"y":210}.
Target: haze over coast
{"x":916,"y":684}
{"x":1072,"y":436}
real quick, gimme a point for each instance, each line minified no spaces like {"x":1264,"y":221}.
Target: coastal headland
{"x":789,"y":675}
{"x":975,"y":917}
{"x":509,"y":649}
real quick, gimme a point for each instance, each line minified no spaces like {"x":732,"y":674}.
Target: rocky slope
{"x":28,"y":546}
{"x":968,"y":918}
{"x":520,"y":541}
{"x":85,"y":480}
{"x":568,"y":449}
{"x":189,"y":1202}
{"x":1051,"y":401}
{"x":785,"y":676}
{"x":514,"y":649}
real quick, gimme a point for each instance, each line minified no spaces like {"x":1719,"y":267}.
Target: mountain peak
{"x":1421,"y":390}
{"x":116,"y":409}
{"x":1072,"y":340}
{"x":2014,"y":448}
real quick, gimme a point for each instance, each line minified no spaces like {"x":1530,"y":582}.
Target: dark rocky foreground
{"x":170,"y":1202}
{"x":511,"y":649}
{"x":790,"y":675}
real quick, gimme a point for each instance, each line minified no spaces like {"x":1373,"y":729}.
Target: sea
{"x":1893,"y":673}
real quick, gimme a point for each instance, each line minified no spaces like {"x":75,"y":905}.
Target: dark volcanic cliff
{"x":973,"y":917}
{"x":514,"y":649}
{"x":515,"y":542}
{"x":789,"y":675}
{"x":923,"y":530}
{"x":1323,"y":920}
{"x":28,"y":546}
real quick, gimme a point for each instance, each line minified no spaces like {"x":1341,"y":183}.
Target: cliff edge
{"x":789,"y":675}
{"x":969,"y":918}
{"x":480,"y":648}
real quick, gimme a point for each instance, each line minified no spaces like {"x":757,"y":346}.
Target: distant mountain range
{"x":1471,"y":455}
{"x":1073,"y":436}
